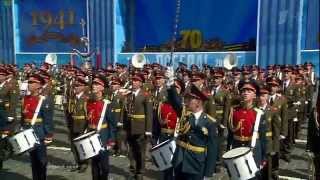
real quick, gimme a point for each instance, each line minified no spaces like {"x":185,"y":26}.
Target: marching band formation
{"x":192,"y":122}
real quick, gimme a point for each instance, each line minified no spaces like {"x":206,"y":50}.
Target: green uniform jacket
{"x":78,"y":114}
{"x":8,"y":104}
{"x":139,"y":110}
{"x":292,"y":96}
{"x":117,"y":107}
{"x":219,"y":105}
{"x":273,"y":126}
{"x":281,"y":107}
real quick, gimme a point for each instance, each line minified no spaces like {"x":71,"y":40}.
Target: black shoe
{"x":82,"y":168}
{"x":75,"y":168}
{"x":138,"y":177}
{"x":287,"y":159}
{"x":132,"y":169}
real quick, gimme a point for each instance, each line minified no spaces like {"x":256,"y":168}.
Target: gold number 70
{"x":191,"y":38}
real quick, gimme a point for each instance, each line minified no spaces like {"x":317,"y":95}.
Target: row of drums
{"x":239,"y":161}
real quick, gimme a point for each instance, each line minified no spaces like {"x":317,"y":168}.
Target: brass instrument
{"x":230,"y":61}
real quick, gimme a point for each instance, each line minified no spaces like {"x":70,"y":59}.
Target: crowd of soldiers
{"x":213,"y":107}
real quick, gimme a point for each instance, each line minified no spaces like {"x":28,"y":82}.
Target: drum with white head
{"x":240,"y":163}
{"x":88,"y":145}
{"x":162,"y":154}
{"x":24,"y":141}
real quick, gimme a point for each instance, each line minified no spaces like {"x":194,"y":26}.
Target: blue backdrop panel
{"x":279,"y":32}
{"x":101,"y":28}
{"x":232,"y":21}
{"x":48,"y":26}
{"x":312,"y":25}
{"x":211,"y":58}
{"x":6,"y":33}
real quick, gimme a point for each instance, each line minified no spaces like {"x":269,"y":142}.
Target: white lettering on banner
{"x":213,"y":59}
{"x":186,"y":58}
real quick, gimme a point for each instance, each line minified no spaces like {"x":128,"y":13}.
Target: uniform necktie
{"x":271,"y":101}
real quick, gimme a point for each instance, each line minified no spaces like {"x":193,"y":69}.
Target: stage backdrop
{"x":49,"y":26}
{"x":206,"y":25}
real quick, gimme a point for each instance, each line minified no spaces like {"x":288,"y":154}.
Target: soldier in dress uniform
{"x":196,"y":151}
{"x":254,"y":72}
{"x":148,"y":85}
{"x":198,"y":79}
{"x":100,"y":163}
{"x":290,"y":92}
{"x":271,"y":139}
{"x":186,"y":77}
{"x":310,"y":77}
{"x":78,"y":117}
{"x":236,"y":79}
{"x":261,"y":81}
{"x":218,"y":107}
{"x":278,"y":72}
{"x":168,"y":116}
{"x":159,"y":96}
{"x":278,"y":102}
{"x":43,"y":126}
{"x":242,"y":121}
{"x":8,"y":105}
{"x":122,"y":72}
{"x":138,"y":125}
{"x":270,"y":71}
{"x":117,"y":109}
{"x":301,"y":103}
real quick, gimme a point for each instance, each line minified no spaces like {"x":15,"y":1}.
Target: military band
{"x":206,"y":112}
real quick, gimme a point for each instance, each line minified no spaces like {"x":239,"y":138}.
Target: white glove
{"x":3,"y":136}
{"x":297,"y":103}
{"x":148,"y":133}
{"x":10,"y":119}
{"x":295,"y":119}
{"x":282,"y":137}
{"x":119,"y":124}
{"x":222,"y":126}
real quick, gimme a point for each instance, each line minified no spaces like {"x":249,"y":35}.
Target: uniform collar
{"x":264,"y":107}
{"x":197,"y":114}
{"x":136,"y":92}
{"x":79,"y":95}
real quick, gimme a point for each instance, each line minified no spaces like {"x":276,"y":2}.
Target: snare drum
{"x":240,"y":163}
{"x":162,"y":154}
{"x":88,"y":145}
{"x":24,"y":141}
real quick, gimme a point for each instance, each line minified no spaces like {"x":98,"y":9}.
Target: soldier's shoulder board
{"x":210,"y":118}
